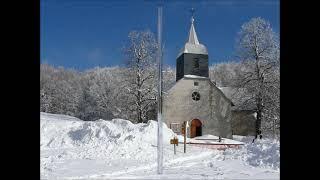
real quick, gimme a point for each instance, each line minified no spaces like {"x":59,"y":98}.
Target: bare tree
{"x":141,"y":51}
{"x":258,"y":48}
{"x":223,"y":73}
{"x":60,"y":90}
{"x":169,"y":78}
{"x":106,"y":87}
{"x":272,"y":105}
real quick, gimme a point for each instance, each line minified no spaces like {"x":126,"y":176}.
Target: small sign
{"x":174,"y":141}
{"x":183,"y":130}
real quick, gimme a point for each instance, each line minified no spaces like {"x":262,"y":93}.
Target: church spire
{"x":193,"y":45}
{"x":193,"y":39}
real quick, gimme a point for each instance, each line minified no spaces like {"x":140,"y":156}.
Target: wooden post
{"x":174,"y":148}
{"x":184,"y":136}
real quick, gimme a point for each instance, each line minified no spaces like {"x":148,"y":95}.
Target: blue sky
{"x":82,"y":34}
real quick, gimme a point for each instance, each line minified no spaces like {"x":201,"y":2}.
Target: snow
{"x":118,"y":149}
{"x":193,"y":48}
{"x":194,"y":76}
{"x":206,"y":139}
{"x":209,"y":139}
{"x":263,"y":153}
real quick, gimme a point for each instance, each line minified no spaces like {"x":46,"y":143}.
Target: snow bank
{"x":116,"y":137}
{"x":262,"y":153}
{"x":71,"y":147}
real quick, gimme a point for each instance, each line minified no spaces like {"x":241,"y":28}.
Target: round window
{"x":195,"y":96}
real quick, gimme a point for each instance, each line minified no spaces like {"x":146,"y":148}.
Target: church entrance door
{"x":196,"y":128}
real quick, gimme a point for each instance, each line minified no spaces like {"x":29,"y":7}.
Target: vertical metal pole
{"x":160,"y":138}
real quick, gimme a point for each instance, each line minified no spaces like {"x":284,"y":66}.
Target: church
{"x":194,"y":97}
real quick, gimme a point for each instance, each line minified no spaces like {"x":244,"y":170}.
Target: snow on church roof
{"x":192,"y":45}
{"x":194,"y":76}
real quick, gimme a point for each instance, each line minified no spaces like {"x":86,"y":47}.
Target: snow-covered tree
{"x":141,"y":60}
{"x":59,"y":90}
{"x":106,"y":87}
{"x":224,"y":74}
{"x":272,"y":105}
{"x":258,"y":48}
{"x":168,"y":78}
{"x":45,"y":88}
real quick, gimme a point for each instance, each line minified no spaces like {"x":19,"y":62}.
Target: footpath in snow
{"x":118,"y":149}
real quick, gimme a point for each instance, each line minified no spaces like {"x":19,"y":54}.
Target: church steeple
{"x":193,"y":39}
{"x":193,"y":45}
{"x":193,"y":57}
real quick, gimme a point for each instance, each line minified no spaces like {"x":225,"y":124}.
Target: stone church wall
{"x":243,"y":123}
{"x":220,"y":115}
{"x":213,"y":109}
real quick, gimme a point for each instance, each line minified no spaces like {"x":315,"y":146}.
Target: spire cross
{"x":192,"y":14}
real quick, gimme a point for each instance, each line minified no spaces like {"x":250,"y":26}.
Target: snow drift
{"x":74,"y":148}
{"x":261,"y":153}
{"x":115,"y":136}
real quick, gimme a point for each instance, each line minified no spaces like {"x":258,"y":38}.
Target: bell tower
{"x":193,"y":57}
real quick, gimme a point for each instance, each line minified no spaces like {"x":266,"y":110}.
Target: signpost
{"x":174,"y":141}
{"x":185,"y":126}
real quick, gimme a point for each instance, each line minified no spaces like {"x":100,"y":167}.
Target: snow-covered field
{"x":117,"y":149}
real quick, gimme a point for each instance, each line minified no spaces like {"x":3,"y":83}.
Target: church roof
{"x":240,"y":96}
{"x":192,"y":45}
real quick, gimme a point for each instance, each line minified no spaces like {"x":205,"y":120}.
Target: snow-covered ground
{"x":117,"y":149}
